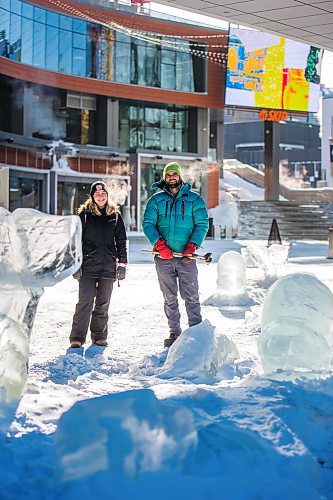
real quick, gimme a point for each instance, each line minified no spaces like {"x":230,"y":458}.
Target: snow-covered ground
{"x":138,"y":432}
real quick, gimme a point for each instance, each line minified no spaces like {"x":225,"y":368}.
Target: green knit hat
{"x":172,"y":167}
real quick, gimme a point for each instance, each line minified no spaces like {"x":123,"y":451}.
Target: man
{"x":176,"y":220}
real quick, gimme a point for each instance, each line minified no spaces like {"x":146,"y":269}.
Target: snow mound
{"x":128,"y":434}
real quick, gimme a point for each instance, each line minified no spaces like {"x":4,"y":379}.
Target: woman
{"x":104,"y":261}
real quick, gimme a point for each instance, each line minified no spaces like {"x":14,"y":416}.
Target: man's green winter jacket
{"x":176,"y":219}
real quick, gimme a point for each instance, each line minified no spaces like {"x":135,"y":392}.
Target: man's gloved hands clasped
{"x":164,"y":251}
{"x":190,"y":249}
{"x":121,"y":272}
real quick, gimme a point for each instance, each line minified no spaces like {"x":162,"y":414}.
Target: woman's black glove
{"x":78,"y":274}
{"x":121,"y":273}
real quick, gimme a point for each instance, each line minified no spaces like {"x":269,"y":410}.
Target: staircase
{"x":296,"y":221}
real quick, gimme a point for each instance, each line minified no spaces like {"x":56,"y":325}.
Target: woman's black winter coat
{"x":103,"y":244}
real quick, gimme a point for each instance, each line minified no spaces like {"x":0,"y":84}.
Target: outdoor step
{"x":295,"y":220}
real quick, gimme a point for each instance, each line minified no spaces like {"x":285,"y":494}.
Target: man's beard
{"x":173,"y":185}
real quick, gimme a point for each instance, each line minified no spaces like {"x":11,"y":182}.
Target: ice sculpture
{"x":231,"y":274}
{"x":297,"y":325}
{"x":269,"y":258}
{"x":36,"y":250}
{"x":198,"y":351}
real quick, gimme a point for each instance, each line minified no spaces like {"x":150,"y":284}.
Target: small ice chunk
{"x":269,"y":258}
{"x":231,"y":274}
{"x":198,"y":351}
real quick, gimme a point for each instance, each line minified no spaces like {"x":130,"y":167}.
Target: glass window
{"x":39,"y":15}
{"x":27,"y":33}
{"x":138,"y":54}
{"x":152,"y":116}
{"x":70,"y":196}
{"x":121,"y":62}
{"x":24,"y":192}
{"x":168,"y":56}
{"x":65,"y":52}
{"x":79,"y":62}
{"x":52,"y":19}
{"x":16,"y":6}
{"x":73,"y":125}
{"x":184,"y":72}
{"x":52,"y":48}
{"x":39,"y":45}
{"x":153,"y":65}
{"x":66,"y":23}
{"x":167,"y":139}
{"x":152,"y":138}
{"x":15,"y":38}
{"x":4,"y":33}
{"x":104,"y":66}
{"x":79,"y":26}
{"x":79,"y":41}
{"x":27,"y":11}
{"x":153,"y":128}
{"x":168,"y":76}
{"x":5,"y":4}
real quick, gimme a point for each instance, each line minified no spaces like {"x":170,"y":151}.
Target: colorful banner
{"x":268,"y":71}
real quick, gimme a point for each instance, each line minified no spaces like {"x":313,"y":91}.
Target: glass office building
{"x":56,"y":42}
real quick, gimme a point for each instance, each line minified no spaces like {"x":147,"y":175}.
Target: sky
{"x":203,"y":420}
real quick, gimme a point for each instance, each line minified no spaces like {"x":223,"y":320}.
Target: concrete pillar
{"x":203,"y":131}
{"x":330,"y":243}
{"x":112,"y":123}
{"x":4,"y":187}
{"x":272,"y":159}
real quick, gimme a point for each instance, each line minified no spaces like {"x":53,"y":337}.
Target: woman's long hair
{"x":90,"y":206}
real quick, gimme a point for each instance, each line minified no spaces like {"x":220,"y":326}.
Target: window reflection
{"x":5,"y":4}
{"x":27,"y":30}
{"x":27,"y":11}
{"x":15,"y":38}
{"x":39,"y":15}
{"x":39,"y":45}
{"x":52,"y":19}
{"x":65,"y":51}
{"x":79,"y":62}
{"x":52,"y":48}
{"x":16,"y":6}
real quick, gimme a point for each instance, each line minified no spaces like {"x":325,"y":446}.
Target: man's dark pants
{"x":183,"y":273}
{"x":92,"y":290}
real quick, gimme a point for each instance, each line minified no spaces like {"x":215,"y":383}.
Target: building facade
{"x":89,"y":93}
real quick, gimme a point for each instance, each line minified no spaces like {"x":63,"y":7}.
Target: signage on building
{"x":273,"y":115}
{"x":266,"y":70}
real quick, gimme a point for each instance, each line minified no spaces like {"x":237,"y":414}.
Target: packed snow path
{"x":251,"y":437}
